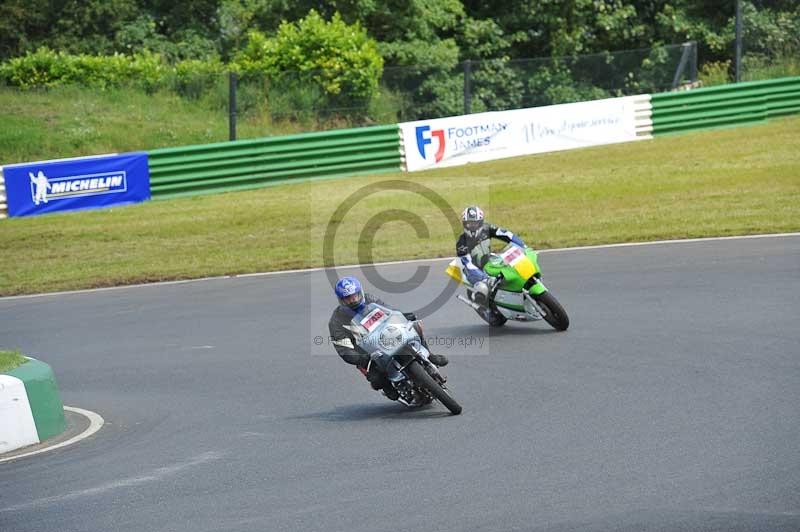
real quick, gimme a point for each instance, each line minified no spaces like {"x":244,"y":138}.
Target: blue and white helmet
{"x":350,"y":294}
{"x":472,"y":220}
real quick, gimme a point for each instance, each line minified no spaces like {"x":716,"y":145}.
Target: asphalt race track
{"x":672,"y":403}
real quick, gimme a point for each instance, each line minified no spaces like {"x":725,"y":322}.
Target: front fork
{"x":532,"y":290}
{"x":534,"y":286}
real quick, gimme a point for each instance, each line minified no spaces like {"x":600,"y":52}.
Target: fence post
{"x":738,"y":41}
{"x":693,"y":71}
{"x":232,"y":105}
{"x":685,"y":49}
{"x":467,"y":87}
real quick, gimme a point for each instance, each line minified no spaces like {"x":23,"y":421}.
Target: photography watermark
{"x":382,"y":220}
{"x":366,"y":239}
{"x":436,"y":343}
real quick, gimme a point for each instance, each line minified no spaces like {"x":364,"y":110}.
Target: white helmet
{"x":472,"y":220}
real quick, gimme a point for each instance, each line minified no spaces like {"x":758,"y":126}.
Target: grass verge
{"x":10,"y":360}
{"x":72,"y":121}
{"x":713,"y":183}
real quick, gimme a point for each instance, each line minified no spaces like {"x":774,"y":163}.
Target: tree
{"x":22,"y":24}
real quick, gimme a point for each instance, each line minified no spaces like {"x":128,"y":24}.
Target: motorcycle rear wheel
{"x":424,"y":380}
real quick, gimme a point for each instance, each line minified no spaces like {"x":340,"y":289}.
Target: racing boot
{"x":480,"y":292}
{"x":436,"y":360}
{"x":378,"y":381}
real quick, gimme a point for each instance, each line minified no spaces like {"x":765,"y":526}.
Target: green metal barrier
{"x":726,"y":105}
{"x":246,"y":164}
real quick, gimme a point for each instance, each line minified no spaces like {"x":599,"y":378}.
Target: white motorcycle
{"x":394,"y":344}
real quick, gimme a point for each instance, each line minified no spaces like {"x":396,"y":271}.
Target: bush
{"x":715,"y":73}
{"x":339,"y":59}
{"x":46,"y":68}
{"x":195,"y":78}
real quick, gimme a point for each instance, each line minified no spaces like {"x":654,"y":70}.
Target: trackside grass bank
{"x":73,"y":121}
{"x":10,"y":360}
{"x":715,"y":183}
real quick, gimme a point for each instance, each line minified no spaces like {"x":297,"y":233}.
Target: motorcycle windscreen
{"x":368,"y":321}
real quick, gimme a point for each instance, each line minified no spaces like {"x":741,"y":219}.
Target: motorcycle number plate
{"x":512,"y":255}
{"x":372,"y":319}
{"x":516,"y":258}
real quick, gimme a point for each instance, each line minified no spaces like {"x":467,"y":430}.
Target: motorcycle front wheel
{"x":424,"y":380}
{"x":554,"y":313}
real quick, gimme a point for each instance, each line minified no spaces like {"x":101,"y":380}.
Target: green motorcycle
{"x":520,"y":293}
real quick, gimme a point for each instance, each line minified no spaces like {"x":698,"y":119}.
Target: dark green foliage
{"x":331,"y":61}
{"x":88,"y":27}
{"x":336,"y":59}
{"x":22,"y":24}
{"x":46,"y":68}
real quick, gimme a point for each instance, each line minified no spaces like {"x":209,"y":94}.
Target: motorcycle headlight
{"x":391,"y":337}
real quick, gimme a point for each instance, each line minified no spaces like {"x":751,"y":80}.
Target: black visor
{"x":353,"y":301}
{"x":473,"y":225}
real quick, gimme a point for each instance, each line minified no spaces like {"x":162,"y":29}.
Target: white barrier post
{"x":643,"y":112}
{"x":3,"y":200}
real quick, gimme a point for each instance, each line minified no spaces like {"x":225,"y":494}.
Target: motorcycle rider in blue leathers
{"x":352,"y":300}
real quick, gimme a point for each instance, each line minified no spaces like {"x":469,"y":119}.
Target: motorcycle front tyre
{"x":424,"y":380}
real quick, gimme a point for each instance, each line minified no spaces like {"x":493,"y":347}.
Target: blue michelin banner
{"x":73,"y":184}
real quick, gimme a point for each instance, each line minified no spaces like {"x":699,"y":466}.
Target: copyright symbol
{"x":366,"y":239}
{"x":318,"y":340}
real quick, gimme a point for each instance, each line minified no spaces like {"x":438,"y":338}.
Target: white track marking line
{"x":153,"y":476}
{"x":390,"y":263}
{"x":95,"y":422}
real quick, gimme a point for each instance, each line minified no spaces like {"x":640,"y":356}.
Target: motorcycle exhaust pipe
{"x":468,"y":302}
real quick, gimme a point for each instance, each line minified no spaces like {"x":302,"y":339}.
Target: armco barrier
{"x":726,"y":105}
{"x":246,"y":164}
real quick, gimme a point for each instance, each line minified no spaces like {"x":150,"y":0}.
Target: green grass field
{"x":726,"y":182}
{"x":73,"y":121}
{"x":10,"y":360}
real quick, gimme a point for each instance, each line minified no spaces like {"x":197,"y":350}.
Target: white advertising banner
{"x":495,"y":135}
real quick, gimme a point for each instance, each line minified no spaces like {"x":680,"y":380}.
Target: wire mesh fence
{"x":251,"y":103}
{"x":496,"y":85}
{"x":430,"y":91}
